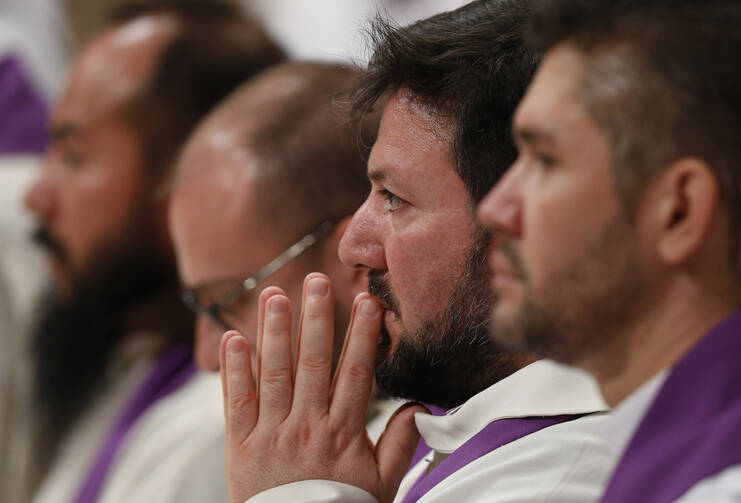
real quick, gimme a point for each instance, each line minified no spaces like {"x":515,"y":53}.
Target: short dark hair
{"x":663,"y":80}
{"x":312,"y":163}
{"x":215,"y":49}
{"x":469,"y":67}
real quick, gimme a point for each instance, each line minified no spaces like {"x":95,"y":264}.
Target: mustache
{"x":43,"y":237}
{"x":507,"y":247}
{"x":378,"y":286}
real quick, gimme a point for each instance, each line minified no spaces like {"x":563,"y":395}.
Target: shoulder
{"x":176,"y":450}
{"x":724,"y":487}
{"x":567,"y":462}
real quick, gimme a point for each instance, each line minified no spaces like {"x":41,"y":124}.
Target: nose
{"x":207,"y":338}
{"x":501,"y":209}
{"x":42,"y":198}
{"x":361,"y":246}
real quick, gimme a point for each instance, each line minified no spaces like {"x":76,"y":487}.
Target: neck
{"x":656,"y":341}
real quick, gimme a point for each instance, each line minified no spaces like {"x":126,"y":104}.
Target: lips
{"x":500,"y":265}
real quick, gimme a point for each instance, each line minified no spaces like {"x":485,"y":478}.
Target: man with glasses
{"x":517,"y":429}
{"x":262,"y":195}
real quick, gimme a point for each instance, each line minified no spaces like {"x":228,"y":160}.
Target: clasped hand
{"x":298,"y":422}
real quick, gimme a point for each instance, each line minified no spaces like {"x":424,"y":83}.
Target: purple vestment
{"x":173,"y":369}
{"x":22,"y":111}
{"x":692,"y":430}
{"x":495,"y":435}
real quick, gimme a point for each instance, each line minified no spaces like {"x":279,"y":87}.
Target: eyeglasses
{"x":215,"y":310}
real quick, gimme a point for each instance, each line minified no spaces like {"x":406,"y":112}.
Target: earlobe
{"x":688,"y":199}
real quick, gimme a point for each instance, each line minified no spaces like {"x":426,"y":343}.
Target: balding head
{"x":115,"y":64}
{"x":269,"y":165}
{"x":290,"y":122}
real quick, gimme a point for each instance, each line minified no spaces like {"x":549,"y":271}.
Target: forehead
{"x":553,"y":100}
{"x":218,"y":169}
{"x":413,"y":150}
{"x":112,"y":67}
{"x":218,"y":223}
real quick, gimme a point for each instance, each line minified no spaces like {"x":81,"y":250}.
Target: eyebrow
{"x":377,"y":175}
{"x":530,"y":136}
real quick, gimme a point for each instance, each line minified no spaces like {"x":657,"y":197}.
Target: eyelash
{"x":393,"y":202}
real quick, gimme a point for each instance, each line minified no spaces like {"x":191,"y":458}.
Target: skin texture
{"x":416,"y":198}
{"x":93,"y":178}
{"x":298,"y":423}
{"x":223,"y":235}
{"x":575,"y":278}
{"x":287,"y":430}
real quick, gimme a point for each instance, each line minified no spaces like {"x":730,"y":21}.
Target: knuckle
{"x":316,"y":311}
{"x":357,"y":371}
{"x":276,"y":376}
{"x":315,"y":362}
{"x":243,"y":402}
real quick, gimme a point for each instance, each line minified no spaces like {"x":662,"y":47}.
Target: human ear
{"x":686,"y":198}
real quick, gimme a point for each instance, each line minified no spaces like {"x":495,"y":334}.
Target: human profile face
{"x":93,"y":178}
{"x":416,"y":235}
{"x":566,"y":261}
{"x":415,"y":224}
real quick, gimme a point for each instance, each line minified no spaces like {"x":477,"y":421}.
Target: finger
{"x":222,"y":367}
{"x":264,"y":296}
{"x":314,"y":355}
{"x":354,"y":376}
{"x":276,"y":375}
{"x":396,"y":447}
{"x":240,"y":399}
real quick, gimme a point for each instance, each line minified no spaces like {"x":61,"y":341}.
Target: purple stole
{"x":173,"y":369}
{"x":23,"y":124}
{"x":692,"y":430}
{"x":495,"y":435}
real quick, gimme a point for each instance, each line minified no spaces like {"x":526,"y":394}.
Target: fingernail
{"x":278,"y":305}
{"x":318,"y":287}
{"x":369,"y":308}
{"x":234,"y":345}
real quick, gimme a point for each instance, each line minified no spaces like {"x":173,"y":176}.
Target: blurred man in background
{"x":34,"y":43}
{"x":118,"y":415}
{"x":618,"y":232}
{"x":263,"y":193}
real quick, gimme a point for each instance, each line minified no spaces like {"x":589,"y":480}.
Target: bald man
{"x":262,"y":195}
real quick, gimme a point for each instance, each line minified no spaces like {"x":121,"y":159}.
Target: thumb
{"x":396,"y":448}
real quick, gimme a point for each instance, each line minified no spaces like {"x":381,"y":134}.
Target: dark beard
{"x":75,"y":338}
{"x":451,"y":358}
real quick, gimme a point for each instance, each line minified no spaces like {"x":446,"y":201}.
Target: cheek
{"x":97,"y":203}
{"x":207,"y":340}
{"x":424,"y":271}
{"x":552,"y":231}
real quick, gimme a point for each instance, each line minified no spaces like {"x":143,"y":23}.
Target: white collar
{"x":543,"y":388}
{"x":626,"y":416}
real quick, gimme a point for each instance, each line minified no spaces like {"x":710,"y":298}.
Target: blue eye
{"x":393,"y":202}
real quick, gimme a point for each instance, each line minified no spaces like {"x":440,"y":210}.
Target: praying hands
{"x":298,"y":423}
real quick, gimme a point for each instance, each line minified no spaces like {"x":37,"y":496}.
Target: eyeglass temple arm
{"x":278,"y":262}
